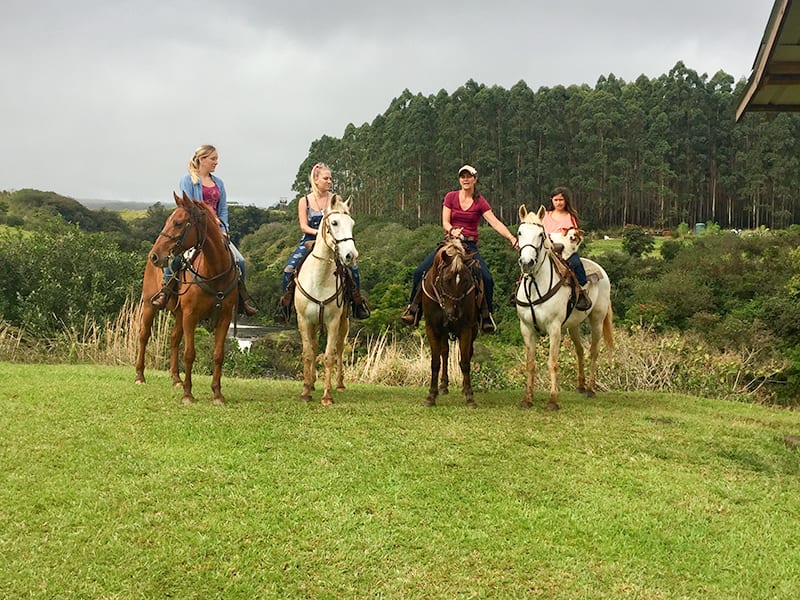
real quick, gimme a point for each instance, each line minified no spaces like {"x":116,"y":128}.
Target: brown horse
{"x":208,"y":289}
{"x":450,"y":307}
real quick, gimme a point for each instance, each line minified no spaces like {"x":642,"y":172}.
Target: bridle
{"x":439,"y":294}
{"x":178,"y":247}
{"x":326,"y":231}
{"x":528,"y":280}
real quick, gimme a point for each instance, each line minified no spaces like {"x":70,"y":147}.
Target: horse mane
{"x":456,"y":255}
{"x":201,"y":210}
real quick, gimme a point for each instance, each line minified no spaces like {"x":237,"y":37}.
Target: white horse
{"x":545,"y":302}
{"x":320,"y":297}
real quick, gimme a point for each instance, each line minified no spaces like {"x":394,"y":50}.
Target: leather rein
{"x":528,"y":281}
{"x":338,"y":294}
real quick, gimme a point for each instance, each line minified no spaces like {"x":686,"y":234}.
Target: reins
{"x":528,"y":281}
{"x":338,"y":294}
{"x":198,"y":279}
{"x":438,"y":293}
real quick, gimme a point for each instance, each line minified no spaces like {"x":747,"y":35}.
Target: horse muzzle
{"x":159,"y":261}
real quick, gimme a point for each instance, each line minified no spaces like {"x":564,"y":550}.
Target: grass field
{"x":111,"y":490}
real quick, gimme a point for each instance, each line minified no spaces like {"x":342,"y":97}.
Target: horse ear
{"x":522,"y":212}
{"x":349,"y":202}
{"x":177,"y":198}
{"x":541,"y":212}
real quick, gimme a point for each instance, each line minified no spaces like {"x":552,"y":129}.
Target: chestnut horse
{"x":545,"y":302}
{"x":208,"y":289}
{"x":319,"y":299}
{"x":450,"y":291}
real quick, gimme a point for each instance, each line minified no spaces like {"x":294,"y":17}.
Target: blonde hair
{"x":313,"y":176}
{"x":194,"y":164}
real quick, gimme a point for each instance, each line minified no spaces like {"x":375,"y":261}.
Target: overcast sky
{"x":106,"y":99}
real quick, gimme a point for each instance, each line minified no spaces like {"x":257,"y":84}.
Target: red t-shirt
{"x":466,"y":219}
{"x":211,"y":196}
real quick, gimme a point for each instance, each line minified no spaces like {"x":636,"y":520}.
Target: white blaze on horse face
{"x":530,"y":238}
{"x":341,"y":227}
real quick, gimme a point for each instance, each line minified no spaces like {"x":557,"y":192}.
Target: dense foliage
{"x":653,"y":152}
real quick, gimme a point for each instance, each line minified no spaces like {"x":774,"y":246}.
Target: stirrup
{"x":583,"y":302}
{"x":360,"y":311}
{"x":411,"y":315}
{"x":161,"y":299}
{"x":488,"y":325}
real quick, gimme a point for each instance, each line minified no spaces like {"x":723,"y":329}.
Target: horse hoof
{"x":589,"y":394}
{"x":525,"y":404}
{"x":340,"y":388}
{"x":429,"y":402}
{"x":444,"y":391}
{"x":187,"y":400}
{"x":218,"y":401}
{"x":327,"y":402}
{"x":139,"y":381}
{"x":305,"y":397}
{"x":552,"y":406}
{"x":471,"y":404}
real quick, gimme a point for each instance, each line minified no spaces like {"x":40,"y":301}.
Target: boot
{"x":246,"y":305}
{"x":360,"y":308}
{"x":412,"y":313}
{"x":287,"y":299}
{"x":487,"y":324}
{"x":161,"y":299}
{"x":583,"y":302}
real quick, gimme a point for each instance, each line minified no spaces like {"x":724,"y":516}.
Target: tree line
{"x":652,"y":152}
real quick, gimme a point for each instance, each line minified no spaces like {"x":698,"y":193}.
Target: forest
{"x":651,"y":152}
{"x":644,"y":159}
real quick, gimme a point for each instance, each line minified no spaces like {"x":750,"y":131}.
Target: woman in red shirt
{"x":462,"y":210}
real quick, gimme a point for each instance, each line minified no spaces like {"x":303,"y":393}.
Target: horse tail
{"x":608,"y":329}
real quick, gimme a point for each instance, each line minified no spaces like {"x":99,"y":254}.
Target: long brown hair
{"x":564,"y":191}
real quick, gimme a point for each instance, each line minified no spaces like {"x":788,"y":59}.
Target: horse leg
{"x":465,"y":359}
{"x":436,"y":360}
{"x":344,"y":329}
{"x":175,"y":337}
{"x":552,"y":365}
{"x":575,"y":336}
{"x":594,"y":350}
{"x":444,"y":379}
{"x":148,"y":314}
{"x":530,"y":339}
{"x":189,"y":354}
{"x":331,"y":346}
{"x":308,"y":334}
{"x":220,"y":332}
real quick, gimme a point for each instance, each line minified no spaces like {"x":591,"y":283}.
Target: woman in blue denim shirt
{"x":202,"y":185}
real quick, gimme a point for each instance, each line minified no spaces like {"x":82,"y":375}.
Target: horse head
{"x":453,"y":281}
{"x":336,"y":231}
{"x":533,"y":240}
{"x":185,"y":228}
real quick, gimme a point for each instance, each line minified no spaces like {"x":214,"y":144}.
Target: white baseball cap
{"x":469,"y":169}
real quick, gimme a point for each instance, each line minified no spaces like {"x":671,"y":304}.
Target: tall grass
{"x":642,"y":359}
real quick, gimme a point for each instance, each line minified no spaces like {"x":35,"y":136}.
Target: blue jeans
{"x":576,"y":265}
{"x":297,"y":257}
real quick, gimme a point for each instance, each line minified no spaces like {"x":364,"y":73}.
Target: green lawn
{"x":111,"y":490}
